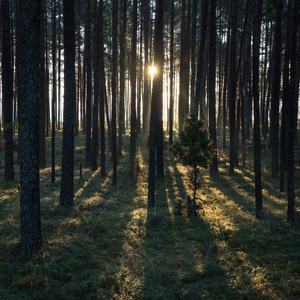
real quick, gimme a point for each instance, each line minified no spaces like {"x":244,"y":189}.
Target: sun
{"x":152,"y":71}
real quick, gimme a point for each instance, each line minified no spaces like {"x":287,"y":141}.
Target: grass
{"x":110,"y":246}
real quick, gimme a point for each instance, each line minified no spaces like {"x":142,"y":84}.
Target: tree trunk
{"x":193,"y":50}
{"x":212,"y":84}
{"x":171,"y":112}
{"x":122,"y":73}
{"x":232,"y":88}
{"x":42,"y":89}
{"x":31,"y":235}
{"x":87,"y":52}
{"x":133,"y":84}
{"x":285,"y":99}
{"x":102,"y":89}
{"x":7,"y":93}
{"x":157,"y":94}
{"x":276,"y":75}
{"x":146,"y":104}
{"x":292,"y":97}
{"x":195,"y":103}
{"x":95,"y":136}
{"x":114,"y":88}
{"x":53,"y":92}
{"x":67,"y":176}
{"x":257,"y":7}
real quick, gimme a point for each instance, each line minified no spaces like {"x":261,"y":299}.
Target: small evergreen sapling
{"x":194,"y":150}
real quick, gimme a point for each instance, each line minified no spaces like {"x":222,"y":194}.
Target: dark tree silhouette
{"x":171,"y":112}
{"x":212,"y":84}
{"x":276,"y":75}
{"x":195,"y":103}
{"x":67,"y":175}
{"x":157,"y":94}
{"x":101,"y":88}
{"x":285,"y":97}
{"x":42,"y":89}
{"x":292,"y":131}
{"x":146,"y":103}
{"x":114,"y":87}
{"x":257,"y":7}
{"x":95,"y":134}
{"x":232,"y":87}
{"x":122,"y":73}
{"x":53,"y":92}
{"x":28,"y":68}
{"x":7,"y":92}
{"x":88,"y":62}
{"x":133,"y":84}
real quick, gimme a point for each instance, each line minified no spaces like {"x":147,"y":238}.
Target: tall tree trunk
{"x":42,"y":89}
{"x":171,"y":112}
{"x":102,"y":89}
{"x":87,"y":52}
{"x":7,"y":92}
{"x":122,"y":73}
{"x":53,"y":91}
{"x":114,"y":88}
{"x":225,"y":85}
{"x":195,"y":103}
{"x":157,"y":95}
{"x":184,"y":64}
{"x":285,"y":98}
{"x":59,"y":70}
{"x":146,"y":103}
{"x":67,"y":176}
{"x":292,"y":133}
{"x":257,"y":7}
{"x":78,"y":95}
{"x":232,"y":87}
{"x":95,"y":136}
{"x":31,"y":235}
{"x":193,"y":51}
{"x":133,"y":84}
{"x":212,"y":84}
{"x":276,"y":75}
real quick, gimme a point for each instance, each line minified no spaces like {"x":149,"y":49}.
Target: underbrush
{"x":110,"y":246}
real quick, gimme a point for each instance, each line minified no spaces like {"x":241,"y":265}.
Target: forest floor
{"x":109,"y":246}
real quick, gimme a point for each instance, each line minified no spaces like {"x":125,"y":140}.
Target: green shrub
{"x":194,"y":150}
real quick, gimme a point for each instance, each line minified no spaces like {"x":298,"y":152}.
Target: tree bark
{"x":292,"y":133}
{"x":95,"y":134}
{"x":42,"y":89}
{"x":114,"y":88}
{"x":157,"y":94}
{"x":102,"y":89}
{"x":171,"y":112}
{"x":29,"y":25}
{"x":232,"y":88}
{"x":7,"y":93}
{"x":257,"y":5}
{"x":133,"y":84}
{"x":276,"y":75}
{"x":53,"y":92}
{"x":87,"y":52}
{"x":122,"y":73}
{"x":67,"y":176}
{"x":212,"y":84}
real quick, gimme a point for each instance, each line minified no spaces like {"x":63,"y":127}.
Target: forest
{"x":149,"y":149}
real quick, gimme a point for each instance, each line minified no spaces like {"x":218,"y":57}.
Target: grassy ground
{"x":109,"y":246}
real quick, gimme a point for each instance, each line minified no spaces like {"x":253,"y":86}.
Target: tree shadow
{"x":181,"y":254}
